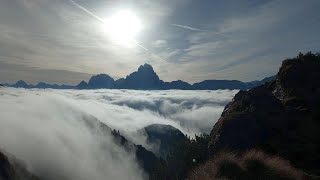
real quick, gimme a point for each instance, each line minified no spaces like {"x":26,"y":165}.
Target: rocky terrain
{"x":281,"y":117}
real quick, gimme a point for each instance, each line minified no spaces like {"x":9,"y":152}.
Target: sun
{"x":123,"y":26}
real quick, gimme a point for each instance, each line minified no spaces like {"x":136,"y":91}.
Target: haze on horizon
{"x":66,"y":41}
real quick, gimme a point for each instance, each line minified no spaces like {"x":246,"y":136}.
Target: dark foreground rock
{"x":281,"y":117}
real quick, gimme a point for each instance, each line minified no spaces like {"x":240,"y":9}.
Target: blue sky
{"x":193,"y":40}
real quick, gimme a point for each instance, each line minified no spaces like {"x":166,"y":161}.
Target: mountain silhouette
{"x":219,"y":84}
{"x":177,"y":85}
{"x":82,"y":85}
{"x":145,"y":78}
{"x":21,"y":84}
{"x":101,"y":81}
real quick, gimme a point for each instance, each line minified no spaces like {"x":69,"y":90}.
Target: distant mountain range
{"x":146,"y":79}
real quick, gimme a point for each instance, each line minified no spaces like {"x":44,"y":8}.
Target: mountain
{"x":101,"y":81}
{"x":253,"y":84}
{"x":21,"y":84}
{"x":42,"y":85}
{"x":229,"y":84}
{"x":165,"y":136}
{"x":219,"y":84}
{"x":176,"y":85}
{"x":145,"y":78}
{"x":82,"y":85}
{"x":280,"y":117}
{"x":120,"y":83}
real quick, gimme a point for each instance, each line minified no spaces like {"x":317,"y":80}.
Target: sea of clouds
{"x":46,"y":128}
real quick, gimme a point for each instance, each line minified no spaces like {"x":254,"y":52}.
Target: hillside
{"x":281,"y":117}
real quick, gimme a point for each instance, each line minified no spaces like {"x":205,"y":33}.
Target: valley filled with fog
{"x":47,"y":129}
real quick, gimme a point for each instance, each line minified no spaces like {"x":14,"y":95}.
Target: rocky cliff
{"x":281,"y":117}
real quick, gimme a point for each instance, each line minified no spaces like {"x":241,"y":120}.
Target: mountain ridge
{"x":145,"y":78}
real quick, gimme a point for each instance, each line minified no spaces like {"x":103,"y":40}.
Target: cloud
{"x":137,"y":109}
{"x":160,"y":43}
{"x":11,"y":72}
{"x":59,"y":35}
{"x":187,"y":27}
{"x":47,"y":130}
{"x":48,"y":133}
{"x":250,"y":41}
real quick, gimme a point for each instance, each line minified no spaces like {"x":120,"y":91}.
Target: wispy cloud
{"x":187,"y":27}
{"x":87,"y":11}
{"x":160,"y":43}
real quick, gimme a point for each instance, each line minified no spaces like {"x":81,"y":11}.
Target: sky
{"x":66,"y":41}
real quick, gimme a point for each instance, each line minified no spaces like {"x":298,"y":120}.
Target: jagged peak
{"x":21,"y":82}
{"x":145,"y":67}
{"x":83,"y":82}
{"x":102,"y":76}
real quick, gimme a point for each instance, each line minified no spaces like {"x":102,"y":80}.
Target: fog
{"x":46,"y":129}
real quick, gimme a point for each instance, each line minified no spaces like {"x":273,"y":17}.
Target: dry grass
{"x":253,"y":164}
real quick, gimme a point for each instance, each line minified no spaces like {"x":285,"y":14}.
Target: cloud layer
{"x":47,"y":130}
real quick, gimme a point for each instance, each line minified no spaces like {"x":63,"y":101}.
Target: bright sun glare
{"x":123,"y":26}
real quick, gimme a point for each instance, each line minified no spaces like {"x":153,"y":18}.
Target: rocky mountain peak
{"x":145,"y":68}
{"x":21,"y":83}
{"x":101,"y":81}
{"x":144,"y":78}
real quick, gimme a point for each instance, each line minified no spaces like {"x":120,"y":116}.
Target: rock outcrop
{"x":281,"y":117}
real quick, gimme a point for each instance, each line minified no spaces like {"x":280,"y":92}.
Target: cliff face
{"x":281,"y":117}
